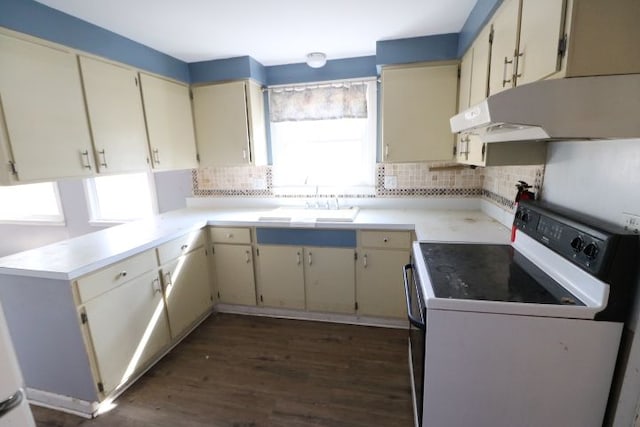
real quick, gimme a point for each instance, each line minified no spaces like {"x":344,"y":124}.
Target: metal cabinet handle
{"x":86,"y":163}
{"x":122,"y":274}
{"x":518,"y":58}
{"x":364,"y":260}
{"x":298,"y":258}
{"x":248,"y":257}
{"x":504,"y":71}
{"x":155,"y":284}
{"x":184,"y":247}
{"x":104,"y":158}
{"x":309,"y":257}
{"x":386,"y":151}
{"x":229,"y":235}
{"x":156,"y":156}
{"x":244,"y":155}
{"x":11,"y":402}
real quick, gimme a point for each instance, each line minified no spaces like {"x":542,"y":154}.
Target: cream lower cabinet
{"x":185,"y":277}
{"x":127,"y":326}
{"x":379,"y":286}
{"x":280,"y":273}
{"x":329,"y":279}
{"x":233,"y":265}
{"x":306,"y":269}
{"x":43,"y":123}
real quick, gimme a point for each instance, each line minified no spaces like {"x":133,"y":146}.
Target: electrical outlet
{"x":390,"y":182}
{"x":631,"y":222}
{"x":259,"y":184}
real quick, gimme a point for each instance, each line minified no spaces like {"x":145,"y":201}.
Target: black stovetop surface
{"x":491,"y":273}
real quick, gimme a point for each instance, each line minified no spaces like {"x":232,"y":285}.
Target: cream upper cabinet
{"x":329,"y":279}
{"x":45,"y":127}
{"x":116,"y":117}
{"x":503,"y":50}
{"x":417,"y":102}
{"x":478,"y":90}
{"x":541,"y":28}
{"x":229,"y":124}
{"x":280,"y":276}
{"x":167,"y":110}
{"x":464,"y":90}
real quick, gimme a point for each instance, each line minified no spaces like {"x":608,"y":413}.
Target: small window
{"x":31,"y":203}
{"x":323,"y":136}
{"x":120,"y":198}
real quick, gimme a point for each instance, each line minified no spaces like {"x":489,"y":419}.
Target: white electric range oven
{"x":525,"y":334}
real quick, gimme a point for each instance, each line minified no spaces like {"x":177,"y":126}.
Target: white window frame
{"x":37,"y":219}
{"x":311,"y":188}
{"x":93,"y":205}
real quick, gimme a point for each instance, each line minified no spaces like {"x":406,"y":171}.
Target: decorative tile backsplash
{"x":427,"y":179}
{"x":499,"y":185}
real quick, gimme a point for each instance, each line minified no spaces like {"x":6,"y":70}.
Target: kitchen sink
{"x":294,"y":214}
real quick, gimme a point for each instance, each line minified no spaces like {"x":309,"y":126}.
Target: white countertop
{"x":69,"y":259}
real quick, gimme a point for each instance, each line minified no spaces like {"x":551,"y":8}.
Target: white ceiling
{"x":271,"y":31}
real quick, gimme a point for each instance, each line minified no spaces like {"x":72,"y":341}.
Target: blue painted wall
{"x":350,"y":68}
{"x":30,"y":17}
{"x":479,"y":16}
{"x":441,"y":47}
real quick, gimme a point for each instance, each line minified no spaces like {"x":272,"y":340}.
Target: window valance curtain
{"x":335,"y":101}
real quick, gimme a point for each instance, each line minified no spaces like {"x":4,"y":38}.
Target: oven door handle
{"x":407,"y":292}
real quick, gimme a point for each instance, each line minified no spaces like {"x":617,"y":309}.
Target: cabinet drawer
{"x":230,"y":235}
{"x":180,"y":246}
{"x":114,"y":275}
{"x":385,"y":239}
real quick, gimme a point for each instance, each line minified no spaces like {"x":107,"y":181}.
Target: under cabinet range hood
{"x":601,"y":107}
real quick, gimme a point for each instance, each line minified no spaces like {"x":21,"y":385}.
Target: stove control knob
{"x":591,"y":250}
{"x":577,"y":244}
{"x":525,"y":217}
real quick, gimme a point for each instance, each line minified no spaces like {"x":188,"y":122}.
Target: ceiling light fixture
{"x":316,"y":59}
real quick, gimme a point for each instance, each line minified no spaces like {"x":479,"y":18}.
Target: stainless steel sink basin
{"x":287,"y":214}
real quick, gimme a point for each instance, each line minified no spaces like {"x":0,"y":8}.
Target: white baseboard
{"x":62,"y":403}
{"x":314,"y":316}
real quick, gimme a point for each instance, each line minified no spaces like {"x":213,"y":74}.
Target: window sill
{"x":36,"y":222}
{"x":107,"y":223}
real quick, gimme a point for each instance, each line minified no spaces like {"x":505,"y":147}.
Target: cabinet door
{"x":116,"y":117}
{"x":417,"y":103}
{"x":257,"y":127}
{"x":221,"y":121}
{"x":167,"y":109}
{"x":379,"y":285}
{"x":187,"y":290}
{"x":505,"y":38}
{"x":234,"y":274}
{"x":281,"y":276}
{"x":330,"y":279}
{"x":45,"y":118}
{"x":480,"y":74}
{"x":541,"y":28}
{"x":127,"y":326}
{"x":466,"y":72}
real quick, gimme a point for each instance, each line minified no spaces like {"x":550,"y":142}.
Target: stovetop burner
{"x":491,"y":273}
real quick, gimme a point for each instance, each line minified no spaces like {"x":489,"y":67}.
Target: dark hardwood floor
{"x":257,"y":371}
